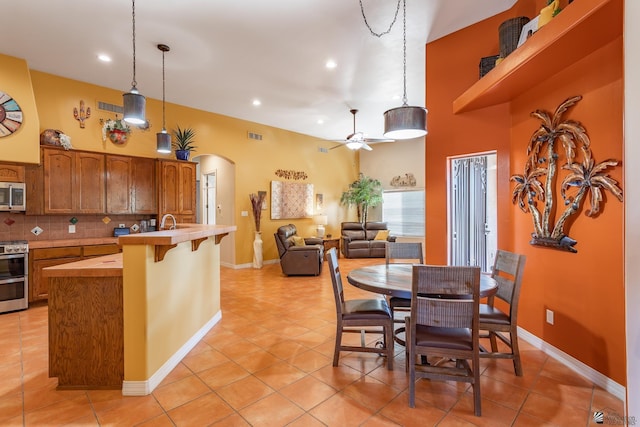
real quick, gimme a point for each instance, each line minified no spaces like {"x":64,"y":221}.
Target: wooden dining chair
{"x":354,"y":315}
{"x":507,"y":272}
{"x":444,"y":324}
{"x":402,"y":252}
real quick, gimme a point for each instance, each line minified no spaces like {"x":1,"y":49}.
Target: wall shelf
{"x":580,"y":29}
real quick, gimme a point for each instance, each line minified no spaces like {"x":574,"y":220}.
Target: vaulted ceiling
{"x":225,"y":54}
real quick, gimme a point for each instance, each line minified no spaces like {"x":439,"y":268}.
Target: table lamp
{"x":320,"y":221}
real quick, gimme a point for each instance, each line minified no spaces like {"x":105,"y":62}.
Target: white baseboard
{"x":250,"y":264}
{"x":588,"y":372}
{"x":143,"y":388}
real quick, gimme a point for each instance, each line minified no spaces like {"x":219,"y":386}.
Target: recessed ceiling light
{"x":320,"y":121}
{"x":331,"y":64}
{"x":104,"y":58}
{"x":256,"y":103}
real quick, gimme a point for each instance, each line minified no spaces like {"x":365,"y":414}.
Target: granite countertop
{"x":59,"y":243}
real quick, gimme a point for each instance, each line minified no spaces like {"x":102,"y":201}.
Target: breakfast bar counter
{"x":126,"y":320}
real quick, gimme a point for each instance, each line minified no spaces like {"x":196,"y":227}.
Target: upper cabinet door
{"x":144,"y":200}
{"x":90,"y":182}
{"x":59,"y":181}
{"x":119,"y":172}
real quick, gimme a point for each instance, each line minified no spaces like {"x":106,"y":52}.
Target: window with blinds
{"x":403,"y":211}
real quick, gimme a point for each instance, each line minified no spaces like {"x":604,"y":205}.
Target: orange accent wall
{"x":586,"y":289}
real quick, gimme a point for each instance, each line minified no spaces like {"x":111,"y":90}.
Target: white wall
{"x":390,"y":159}
{"x":632,"y":200}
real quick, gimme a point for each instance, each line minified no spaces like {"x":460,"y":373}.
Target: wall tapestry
{"x":291,"y":200}
{"x":583,"y":176}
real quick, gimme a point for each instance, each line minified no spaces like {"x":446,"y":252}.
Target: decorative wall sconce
{"x":81,"y":114}
{"x":584,"y":176}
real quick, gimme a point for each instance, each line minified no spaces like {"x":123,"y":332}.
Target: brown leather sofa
{"x":299,"y":260}
{"x":358,"y":240}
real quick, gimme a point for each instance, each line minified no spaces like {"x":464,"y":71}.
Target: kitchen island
{"x":126,"y":320}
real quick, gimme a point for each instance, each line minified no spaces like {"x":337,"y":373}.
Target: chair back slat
{"x":404,"y":251}
{"x":445,"y":296}
{"x":336,"y":280}
{"x":507,"y":272}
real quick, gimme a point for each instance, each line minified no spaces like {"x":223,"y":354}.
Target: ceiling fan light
{"x":405,"y":122}
{"x":163,"y":142}
{"x":354,"y":145}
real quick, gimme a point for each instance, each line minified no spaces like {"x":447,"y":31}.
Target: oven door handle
{"x":12,"y":256}
{"x":16,"y":280}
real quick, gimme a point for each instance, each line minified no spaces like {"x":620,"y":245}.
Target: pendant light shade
{"x":163,"y":139}
{"x":134,"y":103}
{"x":405,"y":122}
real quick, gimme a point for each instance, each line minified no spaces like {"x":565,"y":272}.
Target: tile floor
{"x":268,"y":363}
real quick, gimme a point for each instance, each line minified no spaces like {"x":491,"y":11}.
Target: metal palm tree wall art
{"x":538,"y":182}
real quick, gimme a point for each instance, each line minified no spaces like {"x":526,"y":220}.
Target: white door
{"x":472,"y":210}
{"x":209,"y":197}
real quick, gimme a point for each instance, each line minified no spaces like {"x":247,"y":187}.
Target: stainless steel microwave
{"x":13,"y":197}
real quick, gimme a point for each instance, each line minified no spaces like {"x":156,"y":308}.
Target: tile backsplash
{"x":18,"y":226}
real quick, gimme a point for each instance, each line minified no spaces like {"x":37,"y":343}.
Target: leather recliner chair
{"x":299,"y":260}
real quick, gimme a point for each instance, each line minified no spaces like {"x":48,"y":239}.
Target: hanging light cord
{"x":390,"y":26}
{"x":163,"y":127}
{"x":404,"y":50}
{"x":133,"y":16}
{"x":404,"y":40}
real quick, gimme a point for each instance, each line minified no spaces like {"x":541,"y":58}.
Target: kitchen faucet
{"x":164,"y":218}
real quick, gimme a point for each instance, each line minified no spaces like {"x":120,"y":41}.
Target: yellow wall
{"x":15,"y":81}
{"x":255,"y":161}
{"x":166,"y":303}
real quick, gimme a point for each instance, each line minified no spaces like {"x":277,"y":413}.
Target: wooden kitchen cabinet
{"x":48,"y":257}
{"x":74,"y":181}
{"x":131,"y":185}
{"x":11,"y":172}
{"x":177,"y":190}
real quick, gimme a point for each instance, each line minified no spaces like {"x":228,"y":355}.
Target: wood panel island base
{"x":126,"y":320}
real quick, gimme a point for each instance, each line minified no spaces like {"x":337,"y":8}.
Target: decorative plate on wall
{"x":10,"y":115}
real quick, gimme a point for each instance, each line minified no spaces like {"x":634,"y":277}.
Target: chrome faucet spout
{"x":164,"y":219}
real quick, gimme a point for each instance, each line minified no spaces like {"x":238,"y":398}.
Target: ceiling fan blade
{"x":366,"y":147}
{"x":378,"y":140}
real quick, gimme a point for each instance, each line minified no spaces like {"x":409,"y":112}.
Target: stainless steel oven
{"x":14,"y":283}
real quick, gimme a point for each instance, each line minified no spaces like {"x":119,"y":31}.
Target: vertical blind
{"x":403,"y":211}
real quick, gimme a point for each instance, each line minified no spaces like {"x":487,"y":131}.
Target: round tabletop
{"x":395,"y":280}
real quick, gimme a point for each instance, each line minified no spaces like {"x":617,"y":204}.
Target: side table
{"x":331,"y":243}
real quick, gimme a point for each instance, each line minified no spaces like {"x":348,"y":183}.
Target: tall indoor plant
{"x":364,"y":193}
{"x":183,"y":142}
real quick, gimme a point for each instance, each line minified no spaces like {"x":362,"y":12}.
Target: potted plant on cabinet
{"x":183,"y":143}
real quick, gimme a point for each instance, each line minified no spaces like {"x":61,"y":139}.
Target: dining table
{"x":395,"y":280}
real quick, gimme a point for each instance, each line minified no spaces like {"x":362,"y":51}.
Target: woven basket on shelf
{"x":509,"y":34}
{"x":487,"y":63}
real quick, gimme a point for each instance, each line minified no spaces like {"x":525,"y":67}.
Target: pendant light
{"x":134,"y":102}
{"x":163,"y":139}
{"x":405,"y":122}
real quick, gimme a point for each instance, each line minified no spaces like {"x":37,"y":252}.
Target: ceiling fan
{"x":357,"y":140}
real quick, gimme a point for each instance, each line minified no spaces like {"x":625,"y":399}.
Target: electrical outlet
{"x":550,"y":316}
{"x":72,"y":228}
{"x":122,"y":226}
{"x":36,"y":230}
{"x":244,"y":213}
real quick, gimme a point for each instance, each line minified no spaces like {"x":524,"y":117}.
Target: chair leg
{"x":494,"y":343}
{"x":336,"y":352}
{"x":517,"y":364}
{"x":477,"y":409}
{"x":389,"y":345}
{"x":412,"y":369}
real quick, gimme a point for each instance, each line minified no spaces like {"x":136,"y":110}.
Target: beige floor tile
{"x":244,"y":392}
{"x":341,"y":410}
{"x":274,"y":410}
{"x":204,"y":410}
{"x":180,"y":392}
{"x":308,"y":392}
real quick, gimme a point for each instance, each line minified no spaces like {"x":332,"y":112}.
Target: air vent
{"x":110,"y":107}
{"x":255,"y":136}
{"x":323,"y":150}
